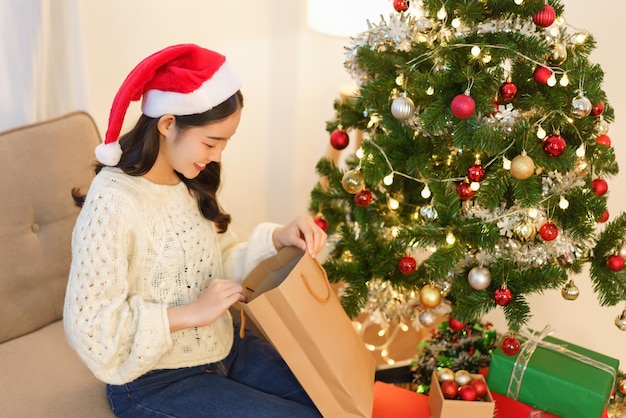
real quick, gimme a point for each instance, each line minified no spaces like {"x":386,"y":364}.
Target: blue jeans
{"x":252,"y":381}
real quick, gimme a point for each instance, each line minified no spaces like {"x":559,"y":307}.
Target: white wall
{"x":291,"y":76}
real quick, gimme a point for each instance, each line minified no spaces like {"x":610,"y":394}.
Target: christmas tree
{"x":455,"y":346}
{"x":481,"y":176}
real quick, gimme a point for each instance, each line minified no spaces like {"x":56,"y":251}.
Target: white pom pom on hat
{"x":179,"y":80}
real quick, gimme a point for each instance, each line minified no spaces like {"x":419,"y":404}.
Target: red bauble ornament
{"x":463,"y":106}
{"x":599,"y":186}
{"x":339,"y":139}
{"x":554,"y":145}
{"x":604,"y":140}
{"x":321,"y":222}
{"x":503,"y":296}
{"x":455,"y":324}
{"x":467,"y":393}
{"x":542,"y":74}
{"x":480,"y":386}
{"x":508,"y":91}
{"x":476,"y":172}
{"x":615,"y":263}
{"x":450,"y":389}
{"x":597,"y":109}
{"x":548,"y":231}
{"x":604,"y":217}
{"x":363,"y":198}
{"x":510,"y":346}
{"x":464,"y":191}
{"x":544,"y":18}
{"x":407,"y":264}
{"x":400,"y":5}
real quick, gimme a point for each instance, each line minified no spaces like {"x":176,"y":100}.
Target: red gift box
{"x":508,"y":408}
{"x":394,"y":402}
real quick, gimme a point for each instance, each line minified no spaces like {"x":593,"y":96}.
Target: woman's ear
{"x":166,"y":125}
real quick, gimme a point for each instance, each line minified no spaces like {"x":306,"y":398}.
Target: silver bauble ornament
{"x":402,"y":108}
{"x":479,"y":278}
{"x":427,"y":318}
{"x":581,"y":106}
{"x":353,"y":181}
{"x":570,"y":291}
{"x":462,"y":377}
{"x":620,"y":321}
{"x":445,"y":374}
{"x":428,"y":213}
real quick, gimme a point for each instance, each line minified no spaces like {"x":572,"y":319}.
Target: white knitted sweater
{"x":137,"y":249}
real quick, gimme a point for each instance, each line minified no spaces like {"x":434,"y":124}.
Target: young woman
{"x":154,"y":268}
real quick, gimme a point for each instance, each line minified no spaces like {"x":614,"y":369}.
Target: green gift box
{"x":555,"y":376}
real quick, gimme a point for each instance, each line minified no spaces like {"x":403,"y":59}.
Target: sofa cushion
{"x":43,"y":377}
{"x":39,"y":165}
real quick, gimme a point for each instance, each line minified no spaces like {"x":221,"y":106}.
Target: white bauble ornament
{"x":479,"y":278}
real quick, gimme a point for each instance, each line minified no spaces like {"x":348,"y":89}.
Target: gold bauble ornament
{"x":430,"y":296}
{"x":558,"y":54}
{"x":525,"y":230}
{"x":621,"y":386}
{"x":602,"y":128}
{"x":522,"y":166}
{"x":570,"y":291}
{"x":622,"y":251}
{"x":620,"y":321}
{"x":581,"y":167}
{"x":353,"y":181}
{"x":445,"y":374}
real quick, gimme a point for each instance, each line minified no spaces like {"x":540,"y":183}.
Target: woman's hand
{"x":210,"y":305}
{"x":303,"y":233}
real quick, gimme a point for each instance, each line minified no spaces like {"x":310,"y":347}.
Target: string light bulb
{"x":442,"y":14}
{"x":563,"y":203}
{"x":426,"y":192}
{"x":388,"y":179}
{"x":541,"y":133}
{"x":564,"y":80}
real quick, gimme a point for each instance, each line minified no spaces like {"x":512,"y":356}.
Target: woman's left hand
{"x":303,"y":233}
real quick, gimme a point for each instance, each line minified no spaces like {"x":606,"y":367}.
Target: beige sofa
{"x":40,"y":375}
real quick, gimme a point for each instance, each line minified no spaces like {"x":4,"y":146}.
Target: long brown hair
{"x":140,"y":147}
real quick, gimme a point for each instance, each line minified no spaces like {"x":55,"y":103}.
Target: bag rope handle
{"x":317,"y":297}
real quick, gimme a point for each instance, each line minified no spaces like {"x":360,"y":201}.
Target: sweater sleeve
{"x":239,"y":259}
{"x":119,"y":336}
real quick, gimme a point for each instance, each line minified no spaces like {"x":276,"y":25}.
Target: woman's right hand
{"x":219,"y":295}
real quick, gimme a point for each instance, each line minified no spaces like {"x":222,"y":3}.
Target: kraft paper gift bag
{"x":292,"y":304}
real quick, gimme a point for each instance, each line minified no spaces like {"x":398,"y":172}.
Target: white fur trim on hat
{"x":222,"y":85}
{"x":109,"y":154}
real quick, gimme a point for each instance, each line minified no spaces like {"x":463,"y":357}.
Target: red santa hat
{"x":179,"y":80}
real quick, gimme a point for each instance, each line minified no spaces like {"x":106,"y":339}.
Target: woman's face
{"x":188,"y":152}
